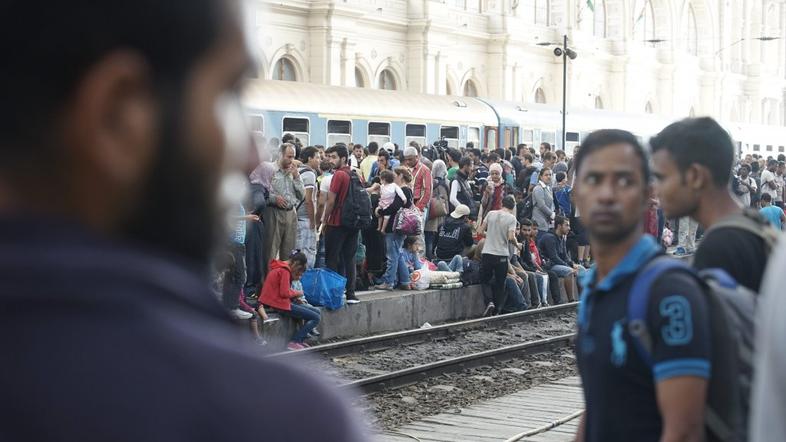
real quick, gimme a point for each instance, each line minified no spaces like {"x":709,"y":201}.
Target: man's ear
{"x":112,"y":118}
{"x":697,"y":177}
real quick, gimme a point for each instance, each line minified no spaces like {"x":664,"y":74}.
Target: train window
{"x":529,"y":137}
{"x":299,"y":127}
{"x":548,"y":136}
{"x":256,"y":124}
{"x":769,"y":148}
{"x":491,"y":138}
{"x":339,"y":131}
{"x":572,"y":137}
{"x":756,"y":148}
{"x":473,"y":135}
{"x":379,"y":132}
{"x":416,"y":133}
{"x":451,"y":135}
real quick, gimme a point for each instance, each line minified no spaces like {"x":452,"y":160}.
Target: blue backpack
{"x":730,"y":310}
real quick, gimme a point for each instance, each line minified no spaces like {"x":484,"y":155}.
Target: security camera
{"x":571,"y":54}
{"x":558,"y":52}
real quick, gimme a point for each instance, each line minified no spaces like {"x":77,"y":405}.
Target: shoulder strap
{"x":638,"y":301}
{"x":750,"y":222}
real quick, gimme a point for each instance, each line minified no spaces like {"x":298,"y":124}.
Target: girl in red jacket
{"x":278,"y":295}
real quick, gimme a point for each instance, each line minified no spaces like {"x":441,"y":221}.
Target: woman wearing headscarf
{"x":495,"y":190}
{"x":438,"y":207}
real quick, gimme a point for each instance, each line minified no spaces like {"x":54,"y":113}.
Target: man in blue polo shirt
{"x":628,"y":399}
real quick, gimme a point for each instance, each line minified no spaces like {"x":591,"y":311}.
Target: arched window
{"x":648,"y":108}
{"x":643,"y":21}
{"x":387,"y":80}
{"x":470,"y":90}
{"x":540,"y":96}
{"x":284,"y":70}
{"x":359,"y":79}
{"x":542,"y":12}
{"x":599,"y":19}
{"x":692,"y":44}
{"x":598,"y":103}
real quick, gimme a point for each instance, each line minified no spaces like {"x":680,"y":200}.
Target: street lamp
{"x":565,"y":52}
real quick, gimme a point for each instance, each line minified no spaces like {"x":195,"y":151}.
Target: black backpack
{"x":528,"y":207}
{"x":356,"y":211}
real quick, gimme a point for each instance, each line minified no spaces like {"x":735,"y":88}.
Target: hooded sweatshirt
{"x":277,"y":292}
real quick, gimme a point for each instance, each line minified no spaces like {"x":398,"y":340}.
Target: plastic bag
{"x":324,"y":287}
{"x":421,"y":278}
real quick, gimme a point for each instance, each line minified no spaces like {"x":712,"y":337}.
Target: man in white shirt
{"x":769,"y":183}
{"x":500,"y":228}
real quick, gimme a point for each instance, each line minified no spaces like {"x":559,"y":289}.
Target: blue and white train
{"x":326,"y":115}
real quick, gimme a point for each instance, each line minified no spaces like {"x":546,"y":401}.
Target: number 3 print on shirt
{"x":679,"y":330}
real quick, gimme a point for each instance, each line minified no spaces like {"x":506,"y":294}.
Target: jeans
{"x":687,"y":233}
{"x":456,"y":265}
{"x":404,"y":274}
{"x":309,"y":314}
{"x":341,"y":243}
{"x":496,"y":267}
{"x":393,"y":243}
{"x":563,"y":271}
{"x":307,"y":241}
{"x":320,"y":260}
{"x":235,"y":277}
{"x":515,"y":301}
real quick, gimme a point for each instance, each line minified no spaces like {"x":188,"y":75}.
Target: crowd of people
{"x":502,"y":218}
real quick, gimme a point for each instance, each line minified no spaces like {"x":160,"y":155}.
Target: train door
{"x":491,"y":136}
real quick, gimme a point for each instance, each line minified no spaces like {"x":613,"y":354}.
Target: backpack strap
{"x":751,"y":222}
{"x":638,"y":301}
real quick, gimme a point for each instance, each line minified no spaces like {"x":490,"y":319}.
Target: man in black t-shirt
{"x":628,"y":397}
{"x":693,"y":160}
{"x":455,"y":235}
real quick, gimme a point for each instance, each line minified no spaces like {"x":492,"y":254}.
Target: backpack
{"x":562,"y":201}
{"x":356,"y":211}
{"x":528,"y":206}
{"x":408,"y":221}
{"x":750,"y":221}
{"x":731,"y":310}
{"x":439,"y":205}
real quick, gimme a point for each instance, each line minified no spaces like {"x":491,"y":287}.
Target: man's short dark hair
{"x":546,"y":145}
{"x":526,"y":222}
{"x":766,"y":197}
{"x":781,"y":157}
{"x":509,"y":202}
{"x":549,"y":156}
{"x":339,"y":150}
{"x":559,"y":153}
{"x":772,"y":162}
{"x":454,"y":155}
{"x":528,"y":157}
{"x":308,"y":153}
{"x":475,"y":152}
{"x":746,"y":167}
{"x":287,"y":138}
{"x":464,"y":162}
{"x":384,"y":154}
{"x":698,"y":141}
{"x":532,"y":151}
{"x":493,"y":157}
{"x":561,"y":176}
{"x":521,"y":147}
{"x":373,"y":147}
{"x":606,"y":137}
{"x":284,"y":146}
{"x":559,"y":220}
{"x":470,"y":145}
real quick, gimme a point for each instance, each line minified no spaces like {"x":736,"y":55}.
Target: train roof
{"x":362,"y":103}
{"x":547,"y":115}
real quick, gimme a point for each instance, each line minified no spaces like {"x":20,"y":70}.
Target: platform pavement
{"x":502,"y":418}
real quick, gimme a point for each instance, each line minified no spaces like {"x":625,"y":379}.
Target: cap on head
{"x":460,"y":211}
{"x":390,"y":147}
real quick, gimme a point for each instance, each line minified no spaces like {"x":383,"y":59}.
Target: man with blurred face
{"x":128,"y":110}
{"x":286,"y":193}
{"x":626,"y":397}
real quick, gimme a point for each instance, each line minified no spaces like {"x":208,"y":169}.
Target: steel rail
{"x":390,"y":340}
{"x":418,"y":373}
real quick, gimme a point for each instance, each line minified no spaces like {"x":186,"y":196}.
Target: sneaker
{"x":680,"y":251}
{"x":383,"y":286}
{"x":304,"y":345}
{"x":403,"y":287}
{"x":315,"y":333}
{"x":295,"y":346}
{"x":240,"y":314}
{"x":352,"y":299}
{"x":490,"y":309}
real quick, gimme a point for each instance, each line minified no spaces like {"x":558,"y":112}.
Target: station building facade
{"x":677,"y":58}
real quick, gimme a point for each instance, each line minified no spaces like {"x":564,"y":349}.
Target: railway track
{"x":409,"y":337}
{"x":411,"y":375}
